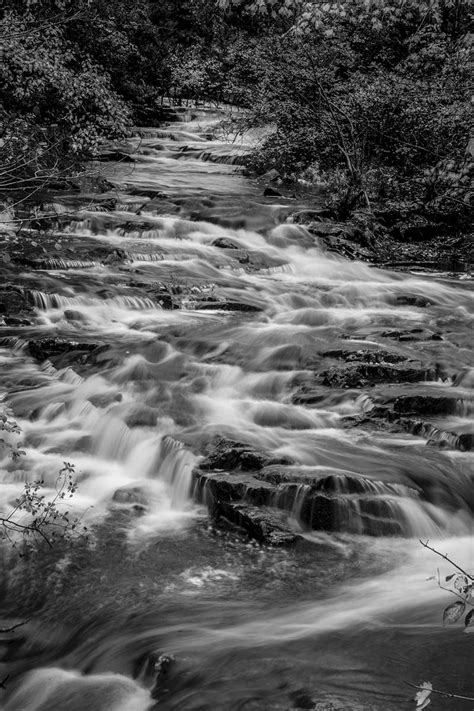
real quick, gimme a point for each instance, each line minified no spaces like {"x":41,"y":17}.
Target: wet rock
{"x":465,"y":442}
{"x":226,"y":306}
{"x":465,"y":379}
{"x":225,"y":243}
{"x":271,"y":192}
{"x":439,"y":437}
{"x":48,"y":348}
{"x":271,"y":175}
{"x":365,"y":356}
{"x":17,"y":321}
{"x":107,"y":156}
{"x":105,"y":399}
{"x":214,"y":488}
{"x":363,"y":374}
{"x":13,"y":302}
{"x":371,"y":516}
{"x":71,"y":315}
{"x":420,"y":302}
{"x":302,"y":700}
{"x":142,"y":416}
{"x":231,"y":455}
{"x":131,"y":495}
{"x":305,"y":216}
{"x":430,"y":405}
{"x":265,"y":525}
{"x":414,"y":334}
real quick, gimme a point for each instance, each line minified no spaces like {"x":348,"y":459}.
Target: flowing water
{"x":205,"y":310}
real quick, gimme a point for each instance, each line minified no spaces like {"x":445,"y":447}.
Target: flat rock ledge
{"x":274,"y":501}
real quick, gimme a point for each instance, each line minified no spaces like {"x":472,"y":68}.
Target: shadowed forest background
{"x":369,"y":98}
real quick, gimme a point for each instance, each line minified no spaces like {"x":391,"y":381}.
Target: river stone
{"x":141,"y":416}
{"x":47,"y":348}
{"x":271,"y":192}
{"x":359,"y":375}
{"x":264,"y":524}
{"x":431,"y":405}
{"x":225,"y":243}
{"x":131,"y":495}
{"x":231,"y":455}
{"x":365,"y":356}
{"x":71,"y":315}
{"x":214,"y":487}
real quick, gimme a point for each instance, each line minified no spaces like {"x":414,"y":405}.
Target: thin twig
{"x":425,"y":545}
{"x":446,"y":694}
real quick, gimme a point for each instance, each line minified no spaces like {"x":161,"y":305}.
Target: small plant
{"x":460,"y":584}
{"x":46,"y":520}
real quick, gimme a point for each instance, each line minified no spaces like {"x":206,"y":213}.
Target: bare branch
{"x":446,"y":694}
{"x":425,"y":545}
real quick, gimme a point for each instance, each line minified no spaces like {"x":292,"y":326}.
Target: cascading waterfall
{"x":193,"y":313}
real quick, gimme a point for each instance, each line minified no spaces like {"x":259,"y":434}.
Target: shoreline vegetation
{"x":368,"y":101}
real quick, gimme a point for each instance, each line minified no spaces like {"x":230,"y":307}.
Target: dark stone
{"x":371,"y":516}
{"x":362,"y":374}
{"x":465,"y":441}
{"x":72,"y":315}
{"x":231,"y":455}
{"x":365,"y":356}
{"x":48,"y":348}
{"x":115,"y":156}
{"x":302,"y":700}
{"x":17,"y":321}
{"x":271,"y":192}
{"x":271,"y":175}
{"x":213,"y":488}
{"x":265,"y":525}
{"x":141,"y":416}
{"x":415,"y":334}
{"x":430,"y":405}
{"x":304,"y":216}
{"x":131,"y":495}
{"x":411,"y":300}
{"x":105,"y":399}
{"x":224,"y":243}
{"x":226,"y":306}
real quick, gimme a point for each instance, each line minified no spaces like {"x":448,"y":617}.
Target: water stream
{"x":206,"y":311}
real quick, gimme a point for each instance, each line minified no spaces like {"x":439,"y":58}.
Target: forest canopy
{"x":371,"y":96}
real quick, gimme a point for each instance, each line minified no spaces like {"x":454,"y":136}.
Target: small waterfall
{"x":44,"y":301}
{"x":67,"y":264}
{"x":174,"y":466}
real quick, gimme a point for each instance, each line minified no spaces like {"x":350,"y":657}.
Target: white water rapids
{"x":345,"y":618}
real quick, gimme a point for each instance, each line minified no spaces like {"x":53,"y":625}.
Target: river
{"x":201,"y":309}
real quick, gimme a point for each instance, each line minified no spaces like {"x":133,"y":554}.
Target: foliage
{"x":364,"y":85}
{"x":34,"y":515}
{"x":460,"y":584}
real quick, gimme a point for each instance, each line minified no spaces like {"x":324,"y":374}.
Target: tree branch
{"x":425,"y":545}
{"x":446,"y":694}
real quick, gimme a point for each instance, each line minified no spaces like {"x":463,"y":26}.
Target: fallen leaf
{"x":461,"y":584}
{"x":453,"y":612}
{"x":421,"y":697}
{"x":469,"y":621}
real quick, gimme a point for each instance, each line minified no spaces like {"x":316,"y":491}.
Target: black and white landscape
{"x":236,"y":365}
